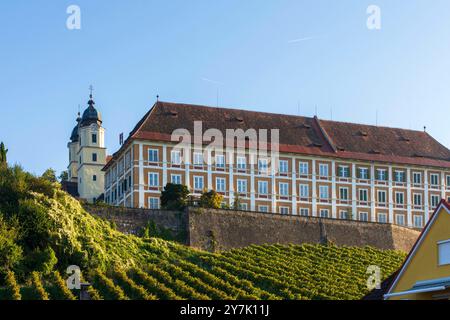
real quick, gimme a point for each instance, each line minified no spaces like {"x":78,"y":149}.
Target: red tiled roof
{"x":302,"y":135}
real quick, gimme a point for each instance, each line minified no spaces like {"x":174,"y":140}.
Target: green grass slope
{"x":123,"y":266}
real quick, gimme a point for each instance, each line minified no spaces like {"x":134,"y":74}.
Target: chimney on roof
{"x":424,"y":129}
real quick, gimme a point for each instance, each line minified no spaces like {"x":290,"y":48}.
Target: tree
{"x":211,"y":199}
{"x":174,"y":196}
{"x":3,"y":152}
{"x":49,"y":175}
{"x":237,"y":202}
{"x":64,"y":176}
{"x":10,"y":252}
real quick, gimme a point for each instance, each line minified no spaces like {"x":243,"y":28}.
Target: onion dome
{"x":90,"y":115}
{"x":74,"y":136}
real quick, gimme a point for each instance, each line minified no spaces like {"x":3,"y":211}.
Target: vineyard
{"x":256,"y":272}
{"x":43,"y":231}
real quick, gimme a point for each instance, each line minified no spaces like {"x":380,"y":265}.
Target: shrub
{"x":10,"y":252}
{"x":211,"y":199}
{"x":34,"y":224}
{"x":38,"y":287}
{"x":12,"y":288}
{"x":41,"y":260}
{"x":64,"y":292}
{"x":174,"y":197}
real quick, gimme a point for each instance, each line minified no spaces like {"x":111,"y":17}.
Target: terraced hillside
{"x":256,"y":272}
{"x":43,"y":230}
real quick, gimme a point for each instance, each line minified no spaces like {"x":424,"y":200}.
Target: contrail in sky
{"x":212,"y":81}
{"x":302,"y":39}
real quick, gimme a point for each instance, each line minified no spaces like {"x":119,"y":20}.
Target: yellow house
{"x":425,"y":275}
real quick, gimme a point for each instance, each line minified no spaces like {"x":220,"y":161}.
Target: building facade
{"x":425,"y":274}
{"x":324,"y":168}
{"x":87,"y":155}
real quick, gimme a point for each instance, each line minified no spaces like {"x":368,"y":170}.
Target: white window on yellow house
{"x":444,"y":252}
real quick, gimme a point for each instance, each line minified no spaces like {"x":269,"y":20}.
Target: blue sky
{"x":130,"y":51}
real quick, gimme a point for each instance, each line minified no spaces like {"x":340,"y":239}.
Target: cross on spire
{"x":91,"y":88}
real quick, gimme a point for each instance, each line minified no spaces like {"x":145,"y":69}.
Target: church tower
{"x":74,"y":146}
{"x":91,"y":153}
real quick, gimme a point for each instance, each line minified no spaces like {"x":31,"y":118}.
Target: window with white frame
{"x":241,"y":163}
{"x":324,"y":213}
{"x":262,"y":166}
{"x":263,"y":208}
{"x":153,"y":179}
{"x":381,"y":175}
{"x":418,"y":221}
{"x":283,"y":166}
{"x":175,"y":178}
{"x":303,"y":168}
{"x":153,"y":203}
{"x":400,"y":198}
{"x":363,"y":216}
{"x":447,"y":178}
{"x":284,"y":210}
{"x":434,"y":179}
{"x":400,"y":219}
{"x":263,"y":187}
{"x":153,"y":155}
{"x":220,"y":184}
{"x":241,"y":186}
{"x":417,"y":199}
{"x":434,"y":201}
{"x":304,"y":191}
{"x":343,"y":172}
{"x":323,"y":170}
{"x":381,"y":196}
{"x":363,"y":173}
{"x":283,"y":189}
{"x":198,"y":183}
{"x":243,"y":206}
{"x":198,"y":158}
{"x":444,"y":252}
{"x":323,"y":192}
{"x":363,"y":195}
{"x":175,"y":157}
{"x":417,"y":178}
{"x":343,"y":193}
{"x":399,"y":176}
{"x":382,"y":217}
{"x":220,"y":161}
{"x":343,"y":214}
{"x":304,"y":212}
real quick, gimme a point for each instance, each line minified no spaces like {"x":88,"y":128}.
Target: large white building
{"x":87,"y":155}
{"x":325,"y":168}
